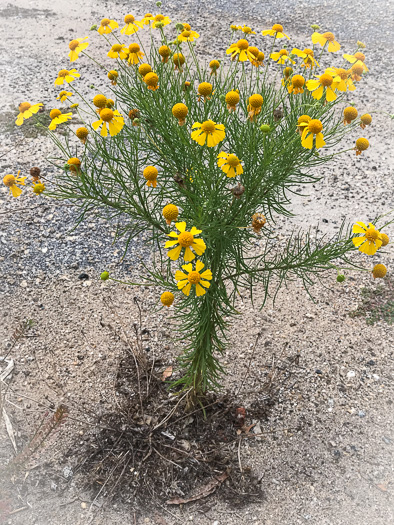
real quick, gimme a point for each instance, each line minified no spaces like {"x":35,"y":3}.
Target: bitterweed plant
{"x":204,"y":157}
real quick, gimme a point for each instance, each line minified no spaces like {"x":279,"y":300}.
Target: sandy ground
{"x":325,"y":456}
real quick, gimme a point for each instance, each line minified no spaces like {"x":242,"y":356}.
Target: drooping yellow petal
{"x":186,"y":289}
{"x":104,"y":131}
{"x":199,"y":290}
{"x":368,"y":248}
{"x":317,"y":38}
{"x":320,"y":141}
{"x":312,"y":84}
{"x":189,"y":255}
{"x":330,"y":94}
{"x":318,"y":93}
{"x":174,"y":254}
{"x":334,"y":46}
{"x":308,"y":141}
{"x":15,"y":190}
{"x":357,"y":241}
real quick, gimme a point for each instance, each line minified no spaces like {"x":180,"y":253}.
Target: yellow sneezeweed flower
{"x":111,"y":118}
{"x":107,"y":26}
{"x":247,"y":30}
{"x":379,"y":271}
{"x":342,"y":79}
{"x":303,"y":119}
{"x":144,"y":69}
{"x":281,"y":56}
{"x":76,"y":46}
{"x":110,"y":103}
{"x":232,"y":99}
{"x":276,"y":31}
{"x":311,"y":129}
{"x":186,"y":85}
{"x":255,"y":103}
{"x":164,"y":52}
{"x":322,"y":39}
{"x":185,"y":281}
{"x":178,"y":59}
{"x":323,"y":82}
{"x":180,"y":111}
{"x":234,"y":27}
{"x":65,"y":75}
{"x":214,"y":65}
{"x":185,"y":240}
{"x":100,"y":101}
{"x":241,"y":50}
{"x":11,"y":182}
{"x":27,"y":110}
{"x":361,"y":45}
{"x":64,"y":95}
{"x":204,"y":90}
{"x":258,"y":56}
{"x":74,"y":105}
{"x":170,"y":213}
{"x":356,"y":71}
{"x":167,"y":298}
{"x":230,"y":164}
{"x":361,"y":145}
{"x":296,"y":85}
{"x":208,"y":131}
{"x":38,"y":187}
{"x":113,"y":76}
{"x":188,"y":36}
{"x":152,"y":81}
{"x":308,"y":57}
{"x":82,"y":133}
{"x":355,"y":58}
{"x":371,"y":239}
{"x":385,"y":239}
{"x":161,"y":19}
{"x":132,"y":25}
{"x":118,"y":51}
{"x":150,"y":174}
{"x":58,"y":118}
{"x":365,"y":120}
{"x":74,"y":165}
{"x":350,"y":113}
{"x":135,"y":54}
{"x":148,"y":18}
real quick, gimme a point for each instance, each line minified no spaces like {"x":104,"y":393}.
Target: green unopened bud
{"x":179,"y":27}
{"x":104,"y":276}
{"x":94,"y":27}
{"x":222,"y":98}
{"x":92,"y":86}
{"x":158,"y":4}
{"x":136,"y":120}
{"x":159,"y":25}
{"x":265,"y":128}
{"x":340,"y":278}
{"x":315,"y":27}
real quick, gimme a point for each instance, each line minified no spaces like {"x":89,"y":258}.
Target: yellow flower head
{"x":113,"y":76}
{"x":342,"y":80}
{"x":254,"y":106}
{"x":38,"y":187}
{"x":11,"y":182}
{"x":74,"y":165}
{"x":247,"y":30}
{"x":379,"y":271}
{"x":180,"y":111}
{"x":64,"y":95}
{"x":276,"y":31}
{"x":356,"y":71}
{"x":76,"y":46}
{"x":297,"y":85}
{"x":308,"y":57}
{"x":65,"y":75}
{"x":178,"y":60}
{"x":365,"y":120}
{"x":350,"y":113}
{"x":148,"y":19}
{"x":188,"y":36}
{"x":144,"y":69}
{"x":185,"y":240}
{"x":357,"y":57}
{"x":230,"y":164}
{"x":311,"y":129}
{"x":100,"y":101}
{"x":110,"y":120}
{"x":324,"y":83}
{"x":303,"y":119}
{"x":385,"y":239}
{"x":152,"y":81}
{"x":57,"y":117}
{"x":167,"y":298}
{"x":241,"y":51}
{"x":132,"y":25}
{"x":170,"y":213}
{"x":134,"y":54}
{"x":322,"y":39}
{"x":281,"y":57}
{"x":208,"y":132}
{"x":185,"y":281}
{"x":26,"y":110}
{"x":118,"y":51}
{"x":204,"y":90}
{"x":164,"y":52}
{"x":232,"y":99}
{"x":161,"y":20}
{"x":107,"y":26}
{"x":258,"y":56}
{"x":370,"y":240}
{"x":82,"y":133}
{"x":361,"y":145}
{"x":150,"y":173}
{"x":214,"y":65}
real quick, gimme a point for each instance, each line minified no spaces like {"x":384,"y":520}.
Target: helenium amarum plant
{"x":205,"y":159}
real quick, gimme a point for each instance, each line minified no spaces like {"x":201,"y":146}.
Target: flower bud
{"x":159,"y":25}
{"x":340,"y":278}
{"x":158,"y":4}
{"x":94,"y":27}
{"x":104,"y":276}
{"x":222,"y":98}
{"x":179,"y":27}
{"x":315,"y":27}
{"x":265,"y":128}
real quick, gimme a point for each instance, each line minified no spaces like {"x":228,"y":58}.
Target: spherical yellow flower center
{"x":329,"y":36}
{"x":100,"y":101}
{"x":242,"y":44}
{"x":254,"y":50}
{"x":24,"y":106}
{"x":144,"y":69}
{"x":185,"y":239}
{"x":208,"y":126}
{"x":350,"y":113}
{"x":308,"y":51}
{"x":359,"y":56}
{"x":298,"y":81}
{"x":186,"y":34}
{"x":62,"y":93}
{"x":362,"y":144}
{"x":112,"y":75}
{"x":74,"y":163}
{"x":304,"y":118}
{"x":180,"y":110}
{"x":385,"y":239}
{"x":63,"y":73}
{"x":178,"y":58}
{"x":106,"y":114}
{"x":116,"y":48}
{"x":277,"y":28}
{"x":82,"y":133}
{"x":342,"y":73}
{"x":233,"y":160}
{"x":9,"y":180}
{"x":164,"y":51}
{"x":214,"y":64}
{"x":38,"y":188}
{"x":287,"y":71}
{"x":247,"y":30}
{"x":260,"y":56}
{"x":187,"y":27}
{"x":379,"y":271}
{"x":105,"y":21}
{"x":256,"y":101}
{"x":194,"y":277}
{"x":167,"y":298}
{"x":366,"y":119}
{"x":129,"y":19}
{"x":315,"y":126}
{"x":170,"y":212}
{"x":205,"y":89}
{"x":326,"y":80}
{"x":357,"y":69}
{"x":159,"y":18}
{"x":150,"y":173}
{"x":110,"y":103}
{"x":73,"y":44}
{"x":148,"y":15}
{"x":55,"y":113}
{"x":151,"y":79}
{"x":283,"y":52}
{"x":134,"y":48}
{"x":371,"y":234}
{"x":232,"y":98}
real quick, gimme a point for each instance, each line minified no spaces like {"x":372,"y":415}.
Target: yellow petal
{"x":312,"y":84}
{"x":357,"y":241}
{"x":320,"y":141}
{"x":207,"y":275}
{"x":368,"y":248}
{"x":317,"y":38}
{"x":364,"y":226}
{"x":180,"y":226}
{"x":308,"y":141}
{"x":187,"y":267}
{"x":174,"y":254}
{"x":199,"y":290}
{"x":189,"y":255}
{"x":205,"y":283}
{"x":330,"y":94}
{"x":15,"y":190}
{"x":199,"y":266}
{"x":180,"y":275}
{"x":169,"y":244}
{"x":318,"y":93}
{"x":194,"y":231}
{"x":186,"y":289}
